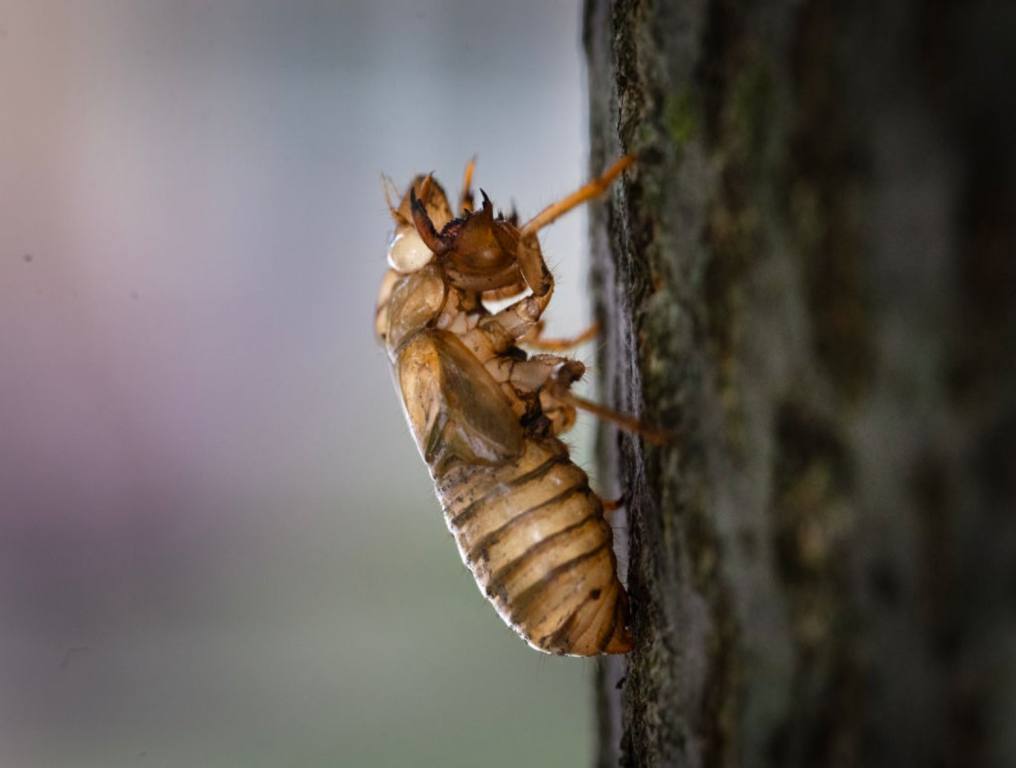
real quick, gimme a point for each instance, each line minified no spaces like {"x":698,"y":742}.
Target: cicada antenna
{"x":391,"y":192}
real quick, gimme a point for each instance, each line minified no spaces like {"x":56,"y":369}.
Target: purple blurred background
{"x":218,"y":546}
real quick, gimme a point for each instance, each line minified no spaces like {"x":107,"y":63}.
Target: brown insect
{"x":486,"y":416}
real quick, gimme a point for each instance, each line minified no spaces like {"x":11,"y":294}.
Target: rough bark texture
{"x":811,"y":278}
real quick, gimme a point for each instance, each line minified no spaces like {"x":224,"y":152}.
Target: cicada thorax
{"x":534,"y":536}
{"x":481,"y":256}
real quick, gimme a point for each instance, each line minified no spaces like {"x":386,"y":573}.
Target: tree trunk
{"x":810,"y":277}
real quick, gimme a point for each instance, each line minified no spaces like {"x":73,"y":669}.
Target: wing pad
{"x":453,"y":405}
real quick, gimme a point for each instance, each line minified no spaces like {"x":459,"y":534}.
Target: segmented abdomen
{"x":535,"y":538}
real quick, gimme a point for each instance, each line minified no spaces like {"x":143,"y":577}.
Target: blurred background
{"x":218,"y":546}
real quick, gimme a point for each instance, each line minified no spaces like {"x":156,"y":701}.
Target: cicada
{"x":487,"y":416}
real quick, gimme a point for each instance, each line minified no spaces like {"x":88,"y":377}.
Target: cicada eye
{"x":408,"y":253}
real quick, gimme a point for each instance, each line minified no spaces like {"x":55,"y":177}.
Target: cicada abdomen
{"x":536,"y":540}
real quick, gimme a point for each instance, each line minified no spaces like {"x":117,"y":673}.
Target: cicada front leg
{"x":499,"y":332}
{"x":520,"y":319}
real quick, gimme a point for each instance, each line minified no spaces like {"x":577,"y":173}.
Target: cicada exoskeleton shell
{"x":485,"y":416}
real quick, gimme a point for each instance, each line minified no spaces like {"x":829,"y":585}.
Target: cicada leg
{"x":506,"y":292}
{"x":527,"y":247}
{"x":583,"y":194}
{"x":538,"y":341}
{"x":466,"y":195}
{"x":504,"y":329}
{"x":612,"y":505}
{"x":497,"y":333}
{"x":557,"y":391}
{"x":625,"y":421}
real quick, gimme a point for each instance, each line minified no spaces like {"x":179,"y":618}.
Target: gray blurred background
{"x":218,"y":546}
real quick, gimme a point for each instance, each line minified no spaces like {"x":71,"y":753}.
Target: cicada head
{"x":478,"y":252}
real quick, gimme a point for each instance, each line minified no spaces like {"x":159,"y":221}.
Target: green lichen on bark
{"x":680,"y":117}
{"x":776,"y":281}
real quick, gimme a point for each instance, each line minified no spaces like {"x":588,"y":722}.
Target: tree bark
{"x":810,"y":278}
